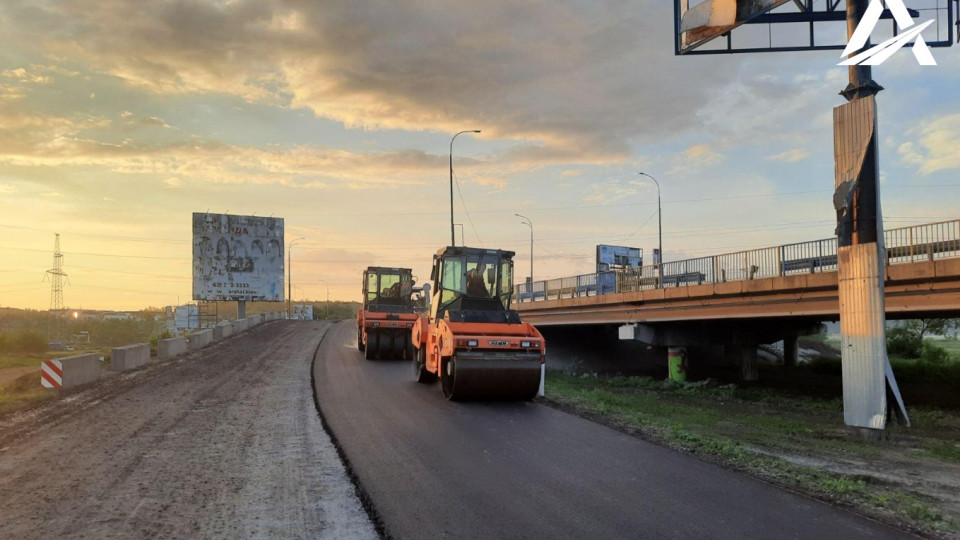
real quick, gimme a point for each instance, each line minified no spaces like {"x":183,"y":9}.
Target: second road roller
{"x":471,"y":340}
{"x":387,"y":314}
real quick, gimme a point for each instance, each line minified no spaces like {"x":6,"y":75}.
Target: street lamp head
{"x":476,"y":131}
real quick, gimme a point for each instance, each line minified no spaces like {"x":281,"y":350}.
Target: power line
{"x":467,"y":212}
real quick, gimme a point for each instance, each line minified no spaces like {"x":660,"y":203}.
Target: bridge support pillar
{"x":745,"y":356}
{"x":791,"y":351}
{"x":677,"y":363}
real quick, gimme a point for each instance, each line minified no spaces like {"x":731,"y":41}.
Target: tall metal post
{"x":529,"y":223}
{"x":659,"y":229}
{"x":867,"y":376}
{"x":289,"y":281}
{"x":290,"y":276}
{"x":453,"y":238}
{"x":56,"y":289}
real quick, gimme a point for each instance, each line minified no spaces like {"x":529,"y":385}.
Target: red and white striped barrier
{"x":51,"y":374}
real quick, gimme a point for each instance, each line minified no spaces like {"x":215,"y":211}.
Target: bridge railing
{"x":927,"y":242}
{"x":930,"y":241}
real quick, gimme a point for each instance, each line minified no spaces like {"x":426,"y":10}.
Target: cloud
{"x":134,"y":121}
{"x":551,"y":74}
{"x":694,"y":159}
{"x":23,"y":76}
{"x":791,"y":156}
{"x":498,"y":184}
{"x":934,"y":147}
{"x":52,"y":141}
{"x":567,"y":173}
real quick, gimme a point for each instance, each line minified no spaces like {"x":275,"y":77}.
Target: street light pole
{"x":659,"y":228}
{"x":453,"y":238}
{"x":529,"y":223}
{"x":290,"y":274}
{"x":326,"y":314}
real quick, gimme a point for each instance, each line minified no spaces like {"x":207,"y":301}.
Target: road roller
{"x":470,"y":339}
{"x":387,"y":315}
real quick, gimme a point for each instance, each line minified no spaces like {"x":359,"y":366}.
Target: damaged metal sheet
{"x":867,"y":374}
{"x":863,"y":350}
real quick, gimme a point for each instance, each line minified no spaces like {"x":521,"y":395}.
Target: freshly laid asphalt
{"x":432,"y":468}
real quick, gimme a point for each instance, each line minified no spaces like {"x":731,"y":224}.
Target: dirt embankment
{"x":222,"y":443}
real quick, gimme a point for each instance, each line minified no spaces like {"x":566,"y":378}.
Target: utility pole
{"x":56,"y":275}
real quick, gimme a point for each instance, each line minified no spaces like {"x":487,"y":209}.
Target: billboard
{"x":710,"y":19}
{"x":182,"y":318}
{"x":303,"y":312}
{"x":618,"y":257}
{"x":237,"y":258}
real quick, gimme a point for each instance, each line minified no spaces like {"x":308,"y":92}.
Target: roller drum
{"x":373,"y":344}
{"x":491,"y":375}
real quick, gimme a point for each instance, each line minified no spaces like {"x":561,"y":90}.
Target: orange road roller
{"x":385,"y":320}
{"x":470,"y":339}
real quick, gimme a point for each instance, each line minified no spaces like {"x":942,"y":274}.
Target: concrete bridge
{"x":740,"y":300}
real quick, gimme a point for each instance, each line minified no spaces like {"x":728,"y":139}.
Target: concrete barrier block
{"x":222,"y":331}
{"x":201,"y":339}
{"x":253,"y":321}
{"x":129,"y":357}
{"x":168,"y":348}
{"x":240,"y":325}
{"x":70,"y":371}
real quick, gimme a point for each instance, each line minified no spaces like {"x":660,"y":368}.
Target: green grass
{"x":8,"y":360}
{"x":944,"y":450}
{"x":24,"y":392}
{"x":21,"y":360}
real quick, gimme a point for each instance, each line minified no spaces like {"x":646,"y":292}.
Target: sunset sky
{"x":120,"y":118}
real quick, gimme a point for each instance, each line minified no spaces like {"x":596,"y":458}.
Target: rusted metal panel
{"x":854,"y":130}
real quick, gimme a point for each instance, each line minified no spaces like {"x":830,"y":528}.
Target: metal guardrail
{"x":927,"y":242}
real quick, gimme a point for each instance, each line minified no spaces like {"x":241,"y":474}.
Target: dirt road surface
{"x":438,"y":469}
{"x":222,"y":443}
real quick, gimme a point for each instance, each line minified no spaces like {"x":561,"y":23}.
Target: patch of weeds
{"x":861,"y":448}
{"x":778,"y":424}
{"x":23,"y":392}
{"x":915,"y":509}
{"x":934,"y":418}
{"x":944,"y":450}
{"x":842,"y":485}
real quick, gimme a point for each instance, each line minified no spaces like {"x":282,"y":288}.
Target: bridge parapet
{"x":928,"y":242}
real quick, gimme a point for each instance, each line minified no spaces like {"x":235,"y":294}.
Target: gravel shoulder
{"x":222,"y":443}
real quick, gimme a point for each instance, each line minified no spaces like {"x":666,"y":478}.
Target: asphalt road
{"x":222,"y":443}
{"x":438,"y":469}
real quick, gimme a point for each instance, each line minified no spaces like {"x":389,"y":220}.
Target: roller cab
{"x":471,"y":340}
{"x":388,"y":313}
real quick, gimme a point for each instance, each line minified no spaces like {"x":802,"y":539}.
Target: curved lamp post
{"x":659,"y":228}
{"x":453,"y":238}
{"x":529,"y":223}
{"x":289,"y":274}
{"x":326,"y":314}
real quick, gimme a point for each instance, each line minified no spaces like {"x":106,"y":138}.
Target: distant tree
{"x":30,"y":342}
{"x":907,"y":338}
